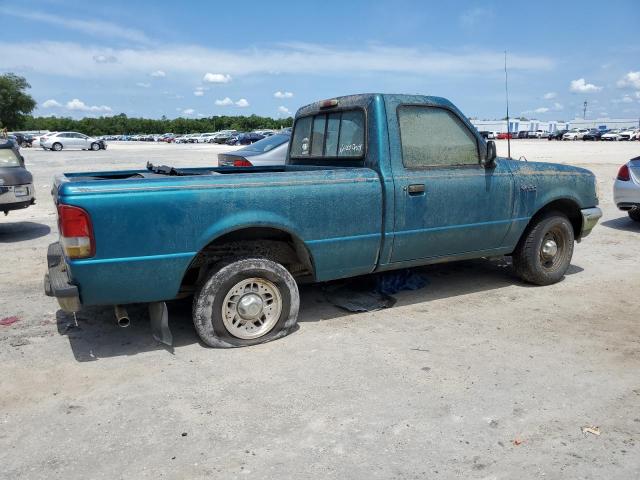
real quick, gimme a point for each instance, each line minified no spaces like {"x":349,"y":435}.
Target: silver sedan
{"x":626,"y":188}
{"x":69,"y":140}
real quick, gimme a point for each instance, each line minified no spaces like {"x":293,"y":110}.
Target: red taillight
{"x":242,"y":163}
{"x":623,"y":173}
{"x":76,"y":232}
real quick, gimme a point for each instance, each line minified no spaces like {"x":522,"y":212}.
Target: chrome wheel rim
{"x":251,"y":308}
{"x":552,"y":249}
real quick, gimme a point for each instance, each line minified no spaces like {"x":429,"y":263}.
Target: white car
{"x":626,"y":189}
{"x":611,"y":136}
{"x":575,"y":134}
{"x":629,"y":134}
{"x":69,"y":140}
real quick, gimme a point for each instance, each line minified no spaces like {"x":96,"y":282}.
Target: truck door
{"x":447,"y":202}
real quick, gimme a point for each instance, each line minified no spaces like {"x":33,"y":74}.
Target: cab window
{"x":336,"y":136}
{"x":433,"y":137}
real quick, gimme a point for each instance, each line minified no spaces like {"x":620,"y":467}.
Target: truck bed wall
{"x":148,"y":232}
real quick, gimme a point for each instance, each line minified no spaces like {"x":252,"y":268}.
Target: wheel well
{"x":570,"y":208}
{"x":277,"y":245}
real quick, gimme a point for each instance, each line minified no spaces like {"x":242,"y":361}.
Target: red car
{"x":504,"y":136}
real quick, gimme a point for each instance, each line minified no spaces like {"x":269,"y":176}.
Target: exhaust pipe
{"x":122,"y":317}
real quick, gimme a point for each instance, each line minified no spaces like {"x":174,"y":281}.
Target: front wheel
{"x":246,"y":302}
{"x":95,"y":147}
{"x":635,"y":214}
{"x":545,"y":250}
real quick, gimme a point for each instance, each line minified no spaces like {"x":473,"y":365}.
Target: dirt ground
{"x":475,"y":376}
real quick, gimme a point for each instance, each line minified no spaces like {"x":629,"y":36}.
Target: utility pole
{"x":584,"y":110}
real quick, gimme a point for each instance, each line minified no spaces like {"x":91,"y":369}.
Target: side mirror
{"x":490,"y":160}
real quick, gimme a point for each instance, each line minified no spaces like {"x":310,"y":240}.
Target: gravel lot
{"x":475,"y":376}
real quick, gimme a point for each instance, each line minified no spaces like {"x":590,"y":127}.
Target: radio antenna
{"x":506,"y":91}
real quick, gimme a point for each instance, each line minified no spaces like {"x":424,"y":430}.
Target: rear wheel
{"x":545,"y":250}
{"x":246,"y":302}
{"x":635,"y":214}
{"x":56,"y":146}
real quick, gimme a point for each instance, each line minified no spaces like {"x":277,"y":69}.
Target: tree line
{"x":123,"y":125}
{"x":16,"y":106}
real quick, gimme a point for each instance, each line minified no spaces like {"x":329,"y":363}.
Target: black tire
{"x":95,"y":146}
{"x":210,"y":297}
{"x":634,"y":214}
{"x":56,"y":147}
{"x":529,"y":262}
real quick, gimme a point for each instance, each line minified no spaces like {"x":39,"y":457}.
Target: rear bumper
{"x":9,"y":200}
{"x":56,"y":281}
{"x":626,"y":193}
{"x":590,"y":217}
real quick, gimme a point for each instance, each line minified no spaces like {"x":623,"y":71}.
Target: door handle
{"x":416,"y":189}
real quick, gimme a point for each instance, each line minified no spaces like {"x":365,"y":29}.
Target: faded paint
{"x":352,"y":220}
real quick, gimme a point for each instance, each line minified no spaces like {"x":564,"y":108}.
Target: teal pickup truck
{"x":373,"y":182}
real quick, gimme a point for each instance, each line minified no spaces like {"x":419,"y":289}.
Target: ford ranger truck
{"x":372,"y":183}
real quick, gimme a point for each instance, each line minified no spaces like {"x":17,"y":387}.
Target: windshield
{"x":8,"y":158}
{"x":266,"y":144}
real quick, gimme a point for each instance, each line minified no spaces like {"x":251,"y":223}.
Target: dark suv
{"x":16,"y":183}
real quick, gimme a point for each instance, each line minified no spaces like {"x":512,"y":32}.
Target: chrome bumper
{"x":590,"y":217}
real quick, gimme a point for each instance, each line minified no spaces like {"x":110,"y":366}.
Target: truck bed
{"x":149,"y":227}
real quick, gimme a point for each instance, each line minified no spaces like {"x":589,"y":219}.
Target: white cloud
{"x":283,"y":110}
{"x":224,"y":102}
{"x":158,"y":74}
{"x":79,"y":105}
{"x":51,"y":103}
{"x":625,"y":99}
{"x":280,"y":94}
{"x":558,"y":106}
{"x":143,"y":84}
{"x":242,"y":103}
{"x":581,"y":86}
{"x":91,"y":27}
{"x":198,"y":93}
{"x":216,"y":78}
{"x":188,"y":111}
{"x":631,"y":79}
{"x":541,"y":110}
{"x":550,"y":95}
{"x":307,"y":59}
{"x":104,"y":59}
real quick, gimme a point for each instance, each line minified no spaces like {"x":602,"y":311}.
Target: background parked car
{"x":70,"y":140}
{"x":626,"y":189}
{"x":16,"y":183}
{"x":575,"y":134}
{"x":271,"y":150}
{"x":522,"y":134}
{"x":23,"y":140}
{"x":244,"y":139}
{"x":223,"y":135}
{"x":504,"y":136}
{"x":628,"y":134}
{"x":611,"y":136}
{"x":557,"y":135}
{"x":593,"y":134}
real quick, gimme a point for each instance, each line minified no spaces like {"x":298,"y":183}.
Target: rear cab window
{"x":8,"y":158}
{"x":335,"y":138}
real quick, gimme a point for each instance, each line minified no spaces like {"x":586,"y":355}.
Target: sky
{"x":203,"y":58}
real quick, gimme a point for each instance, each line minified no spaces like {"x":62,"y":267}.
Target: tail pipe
{"x":122,"y":317}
